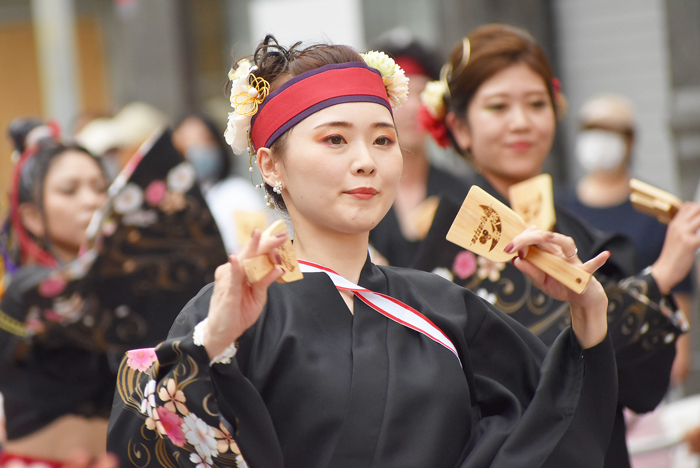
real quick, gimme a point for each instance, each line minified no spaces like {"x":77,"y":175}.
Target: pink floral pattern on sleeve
{"x":141,"y":359}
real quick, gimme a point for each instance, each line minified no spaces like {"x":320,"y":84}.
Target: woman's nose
{"x":519,"y":117}
{"x":364,"y":162}
{"x":93,"y":199}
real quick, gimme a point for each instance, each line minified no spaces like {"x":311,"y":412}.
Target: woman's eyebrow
{"x":383,"y":125}
{"x":344,"y":124}
{"x":339,"y":123}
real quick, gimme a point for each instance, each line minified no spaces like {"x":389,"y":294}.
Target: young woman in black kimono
{"x":402,"y":369}
{"x":499,"y":100}
{"x":57,"y":401}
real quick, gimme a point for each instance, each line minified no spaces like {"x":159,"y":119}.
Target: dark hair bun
{"x":20,"y":128}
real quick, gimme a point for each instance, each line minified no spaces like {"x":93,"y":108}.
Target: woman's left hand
{"x":588,"y":309}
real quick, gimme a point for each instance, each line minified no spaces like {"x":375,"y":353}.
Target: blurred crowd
{"x":87,"y":211}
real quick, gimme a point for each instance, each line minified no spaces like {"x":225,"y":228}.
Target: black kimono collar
{"x":480,"y":180}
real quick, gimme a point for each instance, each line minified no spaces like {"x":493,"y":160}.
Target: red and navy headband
{"x":311,"y":92}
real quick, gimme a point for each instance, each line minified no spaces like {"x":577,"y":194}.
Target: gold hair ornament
{"x":247,"y":93}
{"x":448,"y":69}
{"x":258,"y":90}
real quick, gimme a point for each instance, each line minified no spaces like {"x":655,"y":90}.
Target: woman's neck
{"x":413,"y":187}
{"x":415,"y":168}
{"x":602,"y":189}
{"x":346,"y":254}
{"x":62,"y":254}
{"x":501,"y":184}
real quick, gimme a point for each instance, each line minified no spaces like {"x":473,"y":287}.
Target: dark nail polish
{"x":509,"y":248}
{"x":512,"y":261}
{"x":521,"y":255}
{"x":278,"y":259}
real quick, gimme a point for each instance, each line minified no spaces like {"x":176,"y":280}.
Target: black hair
{"x":278,"y":64}
{"x":30,"y":186}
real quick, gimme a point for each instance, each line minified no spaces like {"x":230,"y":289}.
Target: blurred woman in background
{"x":57,"y":400}
{"x":398,"y":236}
{"x":203,"y":145}
{"x":199,"y":140}
{"x":497,"y":104}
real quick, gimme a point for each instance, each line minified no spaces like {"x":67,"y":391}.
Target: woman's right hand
{"x":236,"y":304}
{"x":678,"y":253}
{"x":588,"y":309}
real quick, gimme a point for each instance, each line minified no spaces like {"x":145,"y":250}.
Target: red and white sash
{"x":386,"y":305}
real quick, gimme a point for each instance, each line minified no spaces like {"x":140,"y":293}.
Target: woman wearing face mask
{"x":500,"y":101}
{"x":604,"y":149}
{"x":56,"y":399}
{"x":407,"y":371}
{"x":198,"y":139}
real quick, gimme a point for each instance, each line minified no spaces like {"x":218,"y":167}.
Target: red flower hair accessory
{"x":436,"y":127}
{"x":431,"y":115}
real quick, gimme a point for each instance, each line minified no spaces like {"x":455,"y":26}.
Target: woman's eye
{"x":68,"y":190}
{"x":100,"y":187}
{"x":538,"y":104}
{"x":335,"y":140}
{"x":383,"y":141}
{"x":496,"y":107}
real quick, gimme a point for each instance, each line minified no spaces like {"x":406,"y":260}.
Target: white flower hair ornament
{"x":433,"y":98}
{"x":247,"y":93}
{"x":431,"y":115}
{"x":394,"y":78}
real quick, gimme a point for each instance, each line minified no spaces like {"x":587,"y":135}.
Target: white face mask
{"x":600,"y":150}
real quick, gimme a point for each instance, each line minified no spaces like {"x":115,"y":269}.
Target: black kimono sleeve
{"x":41,"y":383}
{"x":512,"y":404}
{"x":578,"y":422}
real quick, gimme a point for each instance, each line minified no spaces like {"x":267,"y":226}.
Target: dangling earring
{"x":278,"y":188}
{"x":268,"y":201}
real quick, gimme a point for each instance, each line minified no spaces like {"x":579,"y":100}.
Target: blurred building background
{"x":72,"y":59}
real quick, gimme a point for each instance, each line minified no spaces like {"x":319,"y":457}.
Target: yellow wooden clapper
{"x":533,"y":201}
{"x":257,"y":267}
{"x":486,"y":226}
{"x":246,"y":222}
{"x":653,"y":201}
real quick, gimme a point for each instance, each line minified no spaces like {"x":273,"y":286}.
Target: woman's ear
{"x":460,"y":131}
{"x":31,"y":219}
{"x":268,"y":166}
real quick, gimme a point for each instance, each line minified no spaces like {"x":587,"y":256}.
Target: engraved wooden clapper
{"x":485,"y":226}
{"x":651,"y":200}
{"x":246,"y":222}
{"x":257,"y":267}
{"x":533,"y":201}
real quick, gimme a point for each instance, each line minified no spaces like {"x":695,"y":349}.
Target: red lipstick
{"x":520,"y":146}
{"x":363,"y":193}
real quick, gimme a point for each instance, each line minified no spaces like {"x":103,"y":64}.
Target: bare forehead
{"x":74,"y":164}
{"x":517,"y":79}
